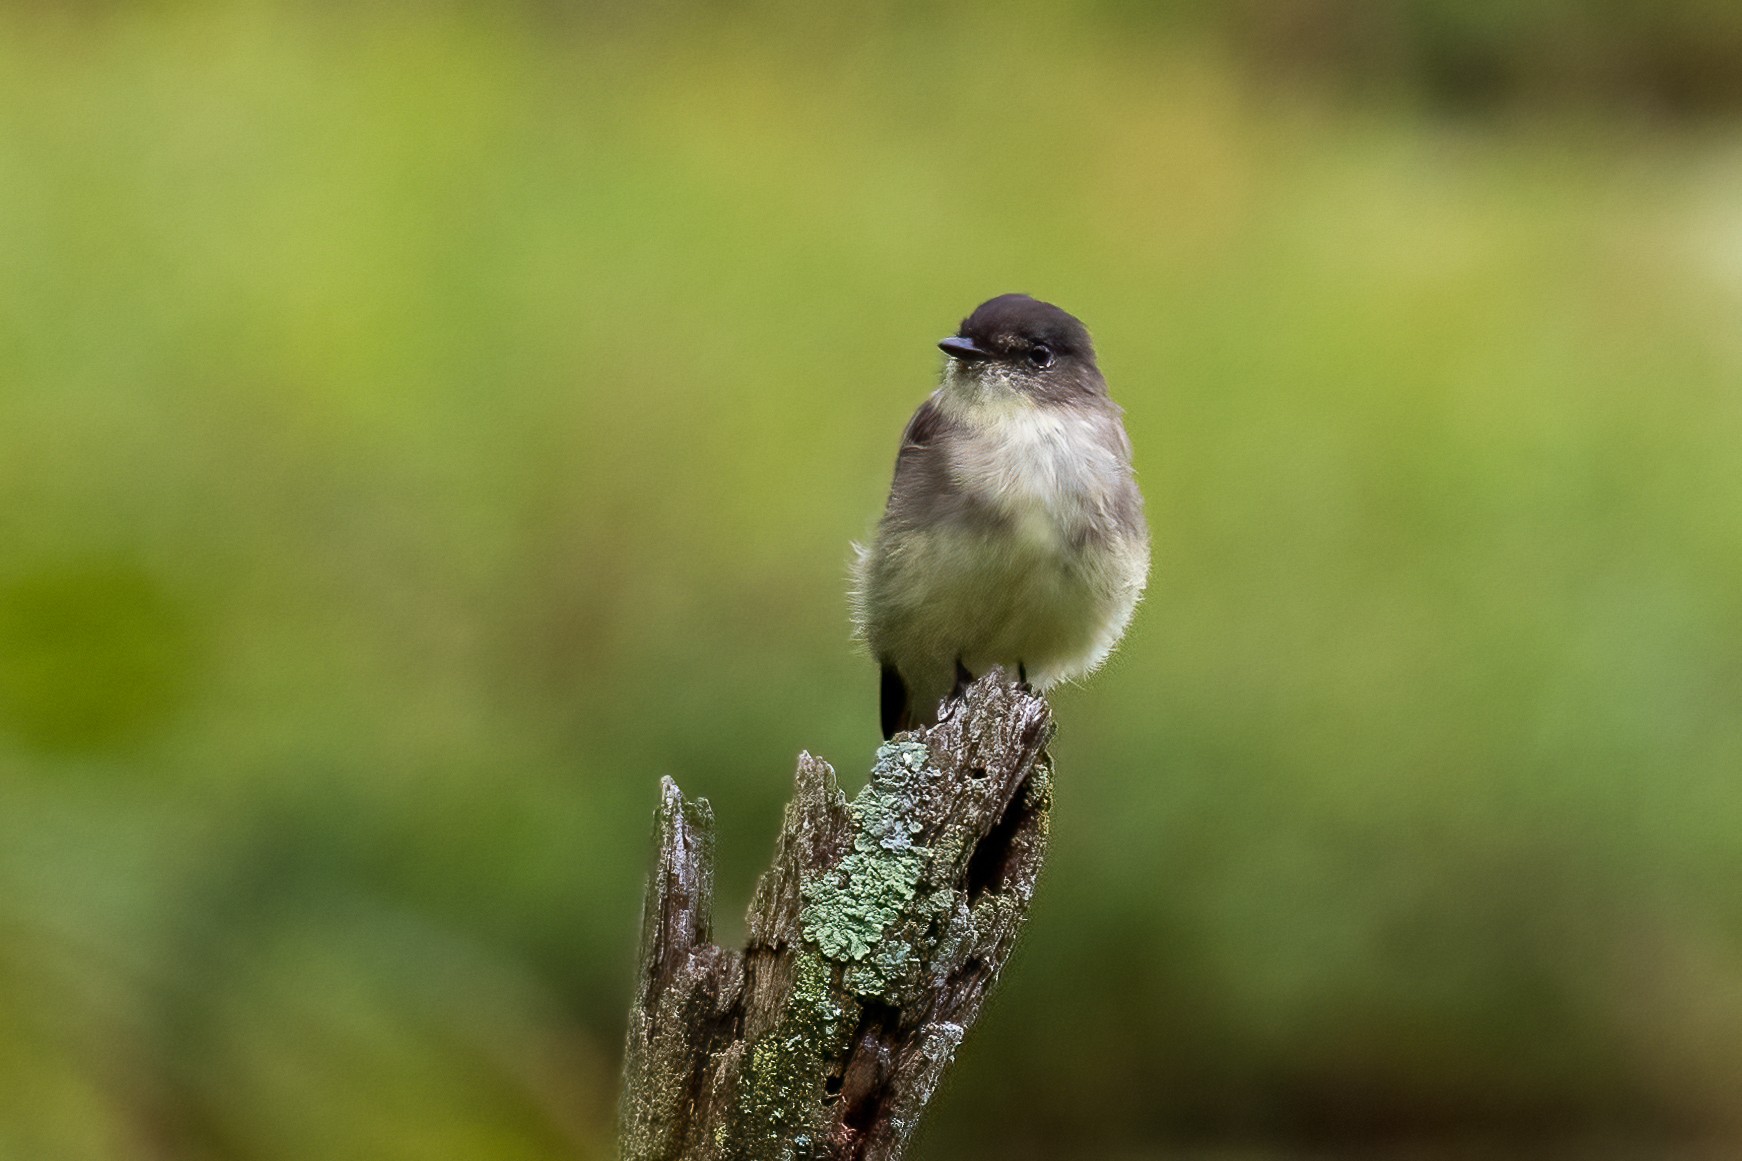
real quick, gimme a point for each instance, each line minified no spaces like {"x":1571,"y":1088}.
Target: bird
{"x":1014,"y":533}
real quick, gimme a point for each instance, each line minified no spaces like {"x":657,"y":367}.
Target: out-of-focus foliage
{"x":419,"y":430}
{"x":1675,"y":57}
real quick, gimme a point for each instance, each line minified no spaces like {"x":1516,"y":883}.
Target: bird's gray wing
{"x":922,"y":494}
{"x":924,"y":490}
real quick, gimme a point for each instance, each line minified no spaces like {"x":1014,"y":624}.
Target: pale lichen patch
{"x":849,"y":909}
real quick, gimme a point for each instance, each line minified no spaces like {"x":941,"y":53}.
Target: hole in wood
{"x":989,"y":865}
{"x":865,"y":1079}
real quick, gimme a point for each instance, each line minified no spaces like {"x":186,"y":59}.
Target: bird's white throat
{"x":1048,"y":467}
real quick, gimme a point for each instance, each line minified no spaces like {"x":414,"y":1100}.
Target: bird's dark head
{"x":1025,"y":345}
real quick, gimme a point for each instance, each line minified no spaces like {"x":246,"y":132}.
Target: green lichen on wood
{"x":883,"y":910}
{"x":848,"y":910}
{"x":874,"y":937}
{"x":783,"y":1074}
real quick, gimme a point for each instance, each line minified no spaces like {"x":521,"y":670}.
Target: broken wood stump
{"x":874,"y":938}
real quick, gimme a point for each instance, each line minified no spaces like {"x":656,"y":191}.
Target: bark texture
{"x":874,"y":938}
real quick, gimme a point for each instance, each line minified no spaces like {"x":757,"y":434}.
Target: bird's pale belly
{"x":1015,"y":595}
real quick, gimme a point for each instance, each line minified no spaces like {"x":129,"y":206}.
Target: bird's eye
{"x":1040,"y":355}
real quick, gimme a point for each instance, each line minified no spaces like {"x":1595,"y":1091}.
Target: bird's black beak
{"x":956,"y":347}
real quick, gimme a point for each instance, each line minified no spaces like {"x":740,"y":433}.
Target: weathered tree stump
{"x":874,"y":938}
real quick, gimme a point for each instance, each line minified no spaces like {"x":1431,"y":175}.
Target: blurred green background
{"x":423,"y":426}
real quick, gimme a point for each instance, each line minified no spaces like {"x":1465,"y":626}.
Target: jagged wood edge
{"x":874,"y":938}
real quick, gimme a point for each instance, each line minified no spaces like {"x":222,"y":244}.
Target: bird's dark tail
{"x":897,"y":715}
{"x":899,"y":711}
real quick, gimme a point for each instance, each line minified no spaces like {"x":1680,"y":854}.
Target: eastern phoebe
{"x":1014,"y":532}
